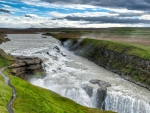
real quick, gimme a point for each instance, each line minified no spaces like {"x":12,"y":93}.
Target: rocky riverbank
{"x":131,"y":67}
{"x":27,"y":67}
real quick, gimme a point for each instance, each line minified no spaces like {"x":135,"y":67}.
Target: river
{"x":67,"y":74}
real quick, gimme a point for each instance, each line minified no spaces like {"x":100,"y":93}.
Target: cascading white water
{"x":68,"y":73}
{"x":116,"y":101}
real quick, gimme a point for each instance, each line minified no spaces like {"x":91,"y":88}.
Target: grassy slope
{"x":5,"y":91}
{"x":5,"y":59}
{"x":130,"y":49}
{"x":5,"y":95}
{"x":33,"y":99}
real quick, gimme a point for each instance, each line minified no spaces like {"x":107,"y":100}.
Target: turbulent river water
{"x":68,"y":73}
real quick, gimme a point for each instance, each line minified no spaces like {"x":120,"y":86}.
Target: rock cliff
{"x":131,"y":67}
{"x":27,"y":67}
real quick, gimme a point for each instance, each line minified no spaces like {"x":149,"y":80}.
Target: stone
{"x":88,"y":89}
{"x":101,"y":95}
{"x":101,"y":83}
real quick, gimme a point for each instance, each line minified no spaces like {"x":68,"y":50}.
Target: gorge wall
{"x":131,"y":67}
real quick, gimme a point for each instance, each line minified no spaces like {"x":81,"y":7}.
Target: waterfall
{"x":68,"y":74}
{"x":117,"y":101}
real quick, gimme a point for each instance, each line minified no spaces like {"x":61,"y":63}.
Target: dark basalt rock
{"x":101,"y":95}
{"x":88,"y":89}
{"x":27,"y":67}
{"x":101,"y":83}
{"x":101,"y":92}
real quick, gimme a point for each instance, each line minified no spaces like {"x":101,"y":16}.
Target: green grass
{"x":5,"y":95}
{"x":33,"y":99}
{"x":123,"y":32}
{"x":5,"y":59}
{"x":120,"y":47}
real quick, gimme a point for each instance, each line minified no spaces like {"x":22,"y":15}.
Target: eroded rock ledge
{"x":27,"y":67}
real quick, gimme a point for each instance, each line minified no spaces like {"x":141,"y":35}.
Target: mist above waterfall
{"x":67,"y":74}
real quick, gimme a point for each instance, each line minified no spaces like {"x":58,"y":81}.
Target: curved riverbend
{"x":68,"y":73}
{"x":7,"y":80}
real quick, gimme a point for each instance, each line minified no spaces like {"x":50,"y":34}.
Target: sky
{"x":74,"y":13}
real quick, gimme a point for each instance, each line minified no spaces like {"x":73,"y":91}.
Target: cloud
{"x":107,"y":19}
{"x":4,"y":11}
{"x":128,"y":4}
{"x":130,"y":14}
{"x":43,"y":22}
{"x":31,"y":15}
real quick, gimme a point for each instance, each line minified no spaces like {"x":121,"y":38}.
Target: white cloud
{"x":38,"y":18}
{"x":56,"y":14}
{"x":24,"y":22}
{"x":59,"y":5}
{"x":145,"y":17}
{"x":9,"y":2}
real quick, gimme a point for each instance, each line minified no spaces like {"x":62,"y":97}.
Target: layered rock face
{"x":27,"y":67}
{"x":132,"y":68}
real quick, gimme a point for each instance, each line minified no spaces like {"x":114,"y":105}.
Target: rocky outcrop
{"x":88,"y":89}
{"x":101,"y":83}
{"x":27,"y":67}
{"x":101,"y":91}
{"x":101,"y":95}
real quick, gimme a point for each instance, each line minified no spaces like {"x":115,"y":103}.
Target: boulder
{"x":101,"y":83}
{"x":101,"y":95}
{"x":88,"y":89}
{"x":101,"y":92}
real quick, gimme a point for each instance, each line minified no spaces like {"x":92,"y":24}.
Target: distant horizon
{"x":69,"y":28}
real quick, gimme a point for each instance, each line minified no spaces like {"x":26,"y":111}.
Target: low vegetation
{"x":5,"y":59}
{"x":5,"y":95}
{"x":33,"y":99}
{"x":120,"y":47}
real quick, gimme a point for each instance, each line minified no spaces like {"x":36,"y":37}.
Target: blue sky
{"x":75,"y":13}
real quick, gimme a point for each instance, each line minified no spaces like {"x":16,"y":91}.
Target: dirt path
{"x":9,"y":105}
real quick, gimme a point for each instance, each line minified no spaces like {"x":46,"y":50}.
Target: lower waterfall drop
{"x":117,"y":101}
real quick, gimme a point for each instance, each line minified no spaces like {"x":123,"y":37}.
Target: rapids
{"x":68,"y":73}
